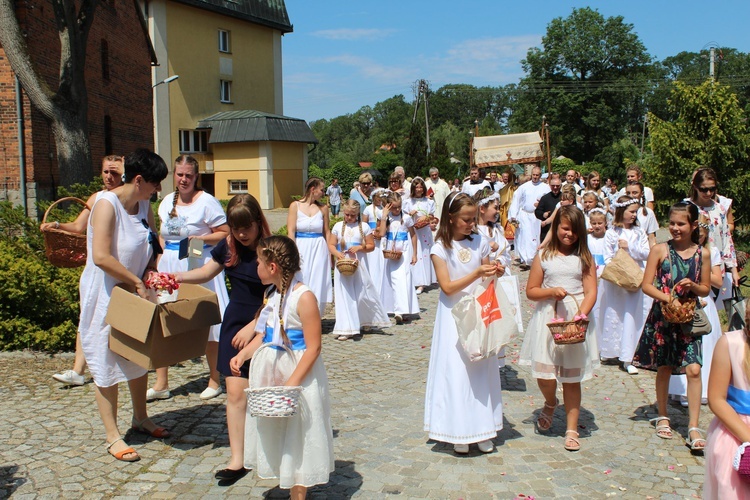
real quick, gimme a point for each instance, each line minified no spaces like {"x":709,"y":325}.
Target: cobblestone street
{"x":53,"y":439}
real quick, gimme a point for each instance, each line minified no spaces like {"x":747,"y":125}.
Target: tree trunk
{"x":73,"y":149}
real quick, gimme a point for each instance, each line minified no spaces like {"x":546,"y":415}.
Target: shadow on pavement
{"x":8,"y":482}
{"x":345,"y":482}
{"x":510,"y":381}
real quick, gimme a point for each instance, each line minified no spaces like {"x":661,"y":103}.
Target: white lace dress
{"x":566,"y":363}
{"x":373,"y":261}
{"x":422,"y":272}
{"x":297,"y":450}
{"x":131,"y":248}
{"x":397,"y":293}
{"x":463,"y":400}
{"x":315,"y":257}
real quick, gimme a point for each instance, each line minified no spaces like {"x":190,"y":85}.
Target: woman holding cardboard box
{"x":195,"y":214}
{"x":120,"y":244}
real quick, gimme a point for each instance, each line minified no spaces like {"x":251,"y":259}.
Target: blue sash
{"x":739,"y":400}
{"x":175,"y":245}
{"x":296,"y":337}
{"x":373,"y":224}
{"x":399,"y":236}
{"x":308,"y":235}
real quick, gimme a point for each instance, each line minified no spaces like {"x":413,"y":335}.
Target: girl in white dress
{"x":119,"y":252}
{"x":597,"y":220}
{"x":562,"y":270}
{"x":422,"y":211}
{"x":373,"y":260}
{"x":621,"y":314}
{"x":297,"y":450}
{"x":678,"y":383}
{"x":463,"y":401}
{"x":397,"y":294}
{"x":192,"y":213}
{"x":307,"y":225}
{"x":646,"y":217}
{"x":357,"y":303}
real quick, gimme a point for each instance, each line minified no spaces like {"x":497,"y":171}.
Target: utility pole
{"x":422,"y":91}
{"x":712,"y":63}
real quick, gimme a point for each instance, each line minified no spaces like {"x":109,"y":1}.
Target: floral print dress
{"x":663,"y":343}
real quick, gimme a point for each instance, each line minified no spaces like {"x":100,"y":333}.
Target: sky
{"x":343,"y":55}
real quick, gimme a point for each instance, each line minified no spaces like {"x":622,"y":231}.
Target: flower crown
{"x":624,"y":204}
{"x":379,"y":192}
{"x":492,"y":197}
{"x":597,"y":210}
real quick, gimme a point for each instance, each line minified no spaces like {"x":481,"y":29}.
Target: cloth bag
{"x":623,"y":271}
{"x":735,"y":306}
{"x":485,"y":320}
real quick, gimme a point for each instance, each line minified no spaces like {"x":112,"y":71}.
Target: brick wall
{"x":125,"y":97}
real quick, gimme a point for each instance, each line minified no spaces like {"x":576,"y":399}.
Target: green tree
{"x":710,"y":130}
{"x":415,"y":151}
{"x":589,"y":79}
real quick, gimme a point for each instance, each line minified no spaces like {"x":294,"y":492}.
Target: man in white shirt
{"x":437,"y":190}
{"x":496,"y":183}
{"x":475,"y":183}
{"x":570,"y":178}
{"x":525,"y":201}
{"x":406,"y":185}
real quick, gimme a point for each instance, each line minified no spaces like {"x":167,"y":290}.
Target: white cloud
{"x":371,"y":70}
{"x":354,"y":34}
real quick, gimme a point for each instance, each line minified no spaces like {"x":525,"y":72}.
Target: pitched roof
{"x":249,"y":125}
{"x":271,"y":13}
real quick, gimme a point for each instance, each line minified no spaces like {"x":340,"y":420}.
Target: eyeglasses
{"x":153,"y":239}
{"x":707,"y":189}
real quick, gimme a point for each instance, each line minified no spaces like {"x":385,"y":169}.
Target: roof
{"x":271,"y":13}
{"x":250,"y":126}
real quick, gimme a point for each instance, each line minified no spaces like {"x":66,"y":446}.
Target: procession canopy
{"x":497,"y":150}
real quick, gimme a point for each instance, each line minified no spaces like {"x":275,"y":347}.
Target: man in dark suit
{"x":548,"y":202}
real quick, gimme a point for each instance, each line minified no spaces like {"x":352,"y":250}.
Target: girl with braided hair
{"x":357,"y":301}
{"x":297,"y":450}
{"x":192,"y":213}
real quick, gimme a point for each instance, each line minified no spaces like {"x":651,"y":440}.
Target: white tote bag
{"x":485,"y":320}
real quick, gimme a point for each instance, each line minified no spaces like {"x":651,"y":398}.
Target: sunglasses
{"x":711,"y":189}
{"x":153,"y":239}
{"x":365,"y":183}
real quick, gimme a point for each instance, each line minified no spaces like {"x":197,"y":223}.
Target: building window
{"x":193,"y":141}
{"x":105,"y":60}
{"x":107,"y":135}
{"x":238,"y":186}
{"x":224,"y":41}
{"x":226,"y":90}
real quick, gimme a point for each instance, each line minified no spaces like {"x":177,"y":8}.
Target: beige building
{"x":226,"y":107}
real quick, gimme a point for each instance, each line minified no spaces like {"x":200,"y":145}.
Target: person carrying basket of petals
{"x":562,"y":281}
{"x":298,"y":450}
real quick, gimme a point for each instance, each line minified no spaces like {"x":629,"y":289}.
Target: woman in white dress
{"x":397,"y":294}
{"x":422,"y":211}
{"x":373,"y":261}
{"x":621,"y":315}
{"x":308,"y":226}
{"x":192,"y":213}
{"x":119,"y":252}
{"x":463,"y":400}
{"x":357,"y":302}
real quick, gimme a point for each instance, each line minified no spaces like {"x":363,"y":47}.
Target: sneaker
{"x":399,"y":319}
{"x":632,"y":370}
{"x":486,"y":446}
{"x":342,"y":337}
{"x":420,"y":290}
{"x":152,"y":394}
{"x":209,"y":393}
{"x":69,"y":377}
{"x":461,"y":449}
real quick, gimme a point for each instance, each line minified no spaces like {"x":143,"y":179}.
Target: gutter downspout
{"x":21,"y":147}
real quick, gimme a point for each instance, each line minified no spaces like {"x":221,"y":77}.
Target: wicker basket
{"x":392,"y":254}
{"x":63,"y":248}
{"x":569,"y":332}
{"x":275,"y":401}
{"x":347,"y":267}
{"x":674,"y":312}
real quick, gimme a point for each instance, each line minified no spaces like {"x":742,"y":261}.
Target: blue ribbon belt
{"x":175,"y":245}
{"x":308,"y":235}
{"x":739,"y":400}
{"x":373,"y":224}
{"x":398,"y":236}
{"x":296,"y":337}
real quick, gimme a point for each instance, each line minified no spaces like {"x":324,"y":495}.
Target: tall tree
{"x":710,"y":130}
{"x":589,"y":79}
{"x":65,"y":107}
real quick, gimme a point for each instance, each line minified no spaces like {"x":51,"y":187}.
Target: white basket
{"x":276,"y":401}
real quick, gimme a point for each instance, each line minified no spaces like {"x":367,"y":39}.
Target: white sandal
{"x":663,"y":431}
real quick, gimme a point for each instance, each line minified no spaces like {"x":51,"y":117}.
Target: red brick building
{"x":119,"y":57}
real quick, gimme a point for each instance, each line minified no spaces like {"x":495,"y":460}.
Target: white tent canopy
{"x":497,"y":150}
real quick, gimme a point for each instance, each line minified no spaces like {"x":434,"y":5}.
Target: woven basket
{"x":741,"y":259}
{"x":63,"y":248}
{"x":422,"y":222}
{"x":674,"y":312}
{"x":347,"y":267}
{"x":569,"y":332}
{"x":276,"y":401}
{"x":392,"y":254}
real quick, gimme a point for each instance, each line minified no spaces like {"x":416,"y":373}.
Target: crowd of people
{"x":394,"y":244}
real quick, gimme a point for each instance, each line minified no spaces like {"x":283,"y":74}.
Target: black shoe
{"x":231,"y":474}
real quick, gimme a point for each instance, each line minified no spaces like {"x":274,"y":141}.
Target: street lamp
{"x":166,"y":80}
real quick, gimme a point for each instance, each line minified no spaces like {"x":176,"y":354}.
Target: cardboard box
{"x":157,"y":335}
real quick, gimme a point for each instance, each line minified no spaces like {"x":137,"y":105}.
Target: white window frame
{"x":193,"y":141}
{"x":225,"y":91}
{"x":225,"y":41}
{"x":238,"y":186}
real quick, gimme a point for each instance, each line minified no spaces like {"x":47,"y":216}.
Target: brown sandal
{"x":544,"y":420}
{"x":120,"y":455}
